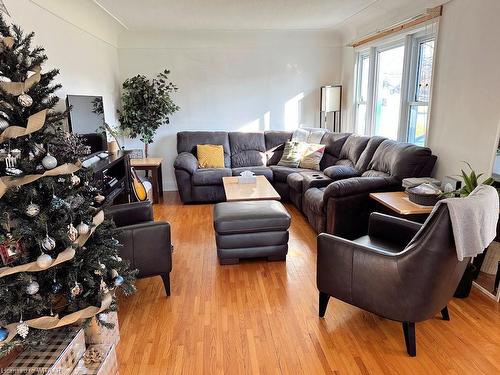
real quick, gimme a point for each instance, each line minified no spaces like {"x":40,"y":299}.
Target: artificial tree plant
{"x":146,"y":105}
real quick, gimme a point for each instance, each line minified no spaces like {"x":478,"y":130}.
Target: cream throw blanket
{"x":474,"y":220}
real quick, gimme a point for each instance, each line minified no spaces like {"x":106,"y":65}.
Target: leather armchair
{"x":401,"y":270}
{"x":146,"y":243}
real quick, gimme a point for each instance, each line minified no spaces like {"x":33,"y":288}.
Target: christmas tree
{"x":59,"y":260}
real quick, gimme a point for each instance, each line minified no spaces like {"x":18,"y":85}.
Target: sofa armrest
{"x":315,"y":180}
{"x":130,"y":213}
{"x":391,"y":228}
{"x":359,"y":185}
{"x":341,"y":172}
{"x":148,"y":247}
{"x":187,"y":162}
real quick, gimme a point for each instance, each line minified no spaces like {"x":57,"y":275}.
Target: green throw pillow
{"x":292,"y":154}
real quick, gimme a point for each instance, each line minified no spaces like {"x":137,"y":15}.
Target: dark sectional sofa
{"x":334,"y":200}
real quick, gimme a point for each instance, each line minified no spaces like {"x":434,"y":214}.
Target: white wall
{"x":465,"y":117}
{"x":465,"y":114}
{"x":88,"y":64}
{"x":247,"y":81}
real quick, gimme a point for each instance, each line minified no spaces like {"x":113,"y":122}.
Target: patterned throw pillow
{"x":292,"y":154}
{"x":210,"y":156}
{"x":312,"y":156}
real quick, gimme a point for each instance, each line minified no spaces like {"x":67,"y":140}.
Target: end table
{"x":153,"y":165}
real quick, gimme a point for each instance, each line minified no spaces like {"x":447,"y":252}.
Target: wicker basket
{"x":423,"y":199}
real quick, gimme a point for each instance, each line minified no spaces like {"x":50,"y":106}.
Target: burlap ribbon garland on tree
{"x":18,"y":88}
{"x":63,"y":256}
{"x":51,"y":322}
{"x":8,"y":42}
{"x":35,"y":123}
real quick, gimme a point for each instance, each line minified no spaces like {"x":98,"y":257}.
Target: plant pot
{"x":465,"y":285}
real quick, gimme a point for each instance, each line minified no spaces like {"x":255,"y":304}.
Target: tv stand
{"x":112,"y":175}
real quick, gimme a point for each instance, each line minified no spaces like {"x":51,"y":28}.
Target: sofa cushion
{"x":339,"y":172}
{"x":210,"y":156}
{"x":247,"y":149}
{"x":210,"y":176}
{"x":352,"y":150}
{"x":400,"y":160}
{"x":188,"y":140}
{"x":292,"y":154}
{"x":259,"y":171}
{"x":250,"y":217}
{"x":367,"y":154}
{"x":275,"y":143}
{"x":281,"y":173}
{"x":334,"y":143}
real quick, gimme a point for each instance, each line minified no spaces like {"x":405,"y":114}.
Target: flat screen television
{"x":86,"y":114}
{"x":86,"y":118}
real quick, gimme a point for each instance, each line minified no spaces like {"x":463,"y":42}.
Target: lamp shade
{"x":330,"y":98}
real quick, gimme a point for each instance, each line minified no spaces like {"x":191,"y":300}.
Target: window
{"x":393,"y":87}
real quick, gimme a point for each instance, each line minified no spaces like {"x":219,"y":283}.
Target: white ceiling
{"x":156,"y":15}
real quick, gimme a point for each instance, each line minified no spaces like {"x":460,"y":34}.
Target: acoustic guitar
{"x":140,"y":191}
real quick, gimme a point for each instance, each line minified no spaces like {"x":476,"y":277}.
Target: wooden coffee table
{"x":260,"y":190}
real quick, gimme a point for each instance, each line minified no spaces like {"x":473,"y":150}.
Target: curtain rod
{"x":430,"y":14}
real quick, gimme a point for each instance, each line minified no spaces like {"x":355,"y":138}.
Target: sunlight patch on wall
{"x":252,"y":126}
{"x":267,"y":120}
{"x":293,"y":112}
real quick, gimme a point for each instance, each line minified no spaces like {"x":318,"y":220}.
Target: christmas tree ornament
{"x":118,"y":280}
{"x":22,"y":329}
{"x":49,"y":162}
{"x":10,"y":249}
{"x":48,"y":243}
{"x":57,"y":203}
{"x":99,"y":198}
{"x":44,"y":261}
{"x":32,"y":210}
{"x":76,"y":201}
{"x":103,"y":287}
{"x":4,"y":123}
{"x":75,"y":180}
{"x":32,"y":288}
{"x":76,"y":290}
{"x":25,"y":100}
{"x":83,"y":228}
{"x":72,"y":233}
{"x":113,"y":273}
{"x":103,"y":317}
{"x":4,"y":333}
{"x":56,"y":287}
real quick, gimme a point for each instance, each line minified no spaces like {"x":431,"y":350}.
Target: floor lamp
{"x":330,"y":102}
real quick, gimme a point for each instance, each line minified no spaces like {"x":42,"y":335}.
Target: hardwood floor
{"x":259,"y":317}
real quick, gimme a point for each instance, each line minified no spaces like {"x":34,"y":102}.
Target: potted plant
{"x":470,"y":182}
{"x":146,"y":105}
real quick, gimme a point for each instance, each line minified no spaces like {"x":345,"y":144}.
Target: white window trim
{"x":411,"y":42}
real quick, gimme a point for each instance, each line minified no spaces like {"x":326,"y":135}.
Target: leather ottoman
{"x":251,"y":229}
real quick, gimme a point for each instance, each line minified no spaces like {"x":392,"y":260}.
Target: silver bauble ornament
{"x":4,"y":333}
{"x":49,"y":162}
{"x":32,"y":288}
{"x":72,"y":233}
{"x":25,"y":100}
{"x":32,"y":210}
{"x":4,"y":124}
{"x":118,"y":280}
{"x":75,"y":180}
{"x":82,"y":228}
{"x":44,"y":261}
{"x":48,"y":243}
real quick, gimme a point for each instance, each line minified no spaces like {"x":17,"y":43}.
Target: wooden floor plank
{"x":260,"y":317}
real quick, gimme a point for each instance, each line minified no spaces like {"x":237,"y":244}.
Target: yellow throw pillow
{"x":210,"y":156}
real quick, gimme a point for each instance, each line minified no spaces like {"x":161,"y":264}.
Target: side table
{"x":398,"y":204}
{"x":153,"y":165}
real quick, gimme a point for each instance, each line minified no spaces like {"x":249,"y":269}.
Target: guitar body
{"x":140,"y":191}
